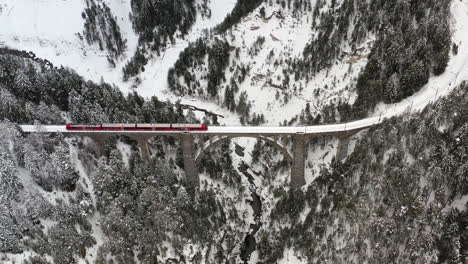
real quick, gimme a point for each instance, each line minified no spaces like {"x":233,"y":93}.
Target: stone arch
{"x":149,"y":136}
{"x":343,"y":138}
{"x":217,"y":140}
{"x":142,"y":140}
{"x":99,"y":139}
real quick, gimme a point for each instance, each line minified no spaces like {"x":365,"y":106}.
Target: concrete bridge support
{"x":143,"y":145}
{"x":343,"y":145}
{"x":190,"y":168}
{"x":100,"y":141}
{"x":298,"y":164}
{"x":209,"y":140}
{"x":342,"y":150}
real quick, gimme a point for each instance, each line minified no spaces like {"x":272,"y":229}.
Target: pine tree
{"x":9,"y":181}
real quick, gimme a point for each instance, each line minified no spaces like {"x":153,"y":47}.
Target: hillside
{"x":321,"y":53}
{"x":398,"y":197}
{"x":268,"y":45}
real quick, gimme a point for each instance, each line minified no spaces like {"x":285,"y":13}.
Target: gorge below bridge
{"x":280,"y":137}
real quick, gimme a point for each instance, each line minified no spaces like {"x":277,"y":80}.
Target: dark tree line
{"x":400,"y":191}
{"x":47,"y":91}
{"x":101,"y":28}
{"x":136,"y":64}
{"x":241,"y":9}
{"x":144,"y":203}
{"x":194,"y":55}
{"x":28,"y":87}
{"x":403,"y":59}
{"x":217,"y":56}
{"x":412,"y":42}
{"x":329,"y":114}
{"x":27,"y":55}
{"x":156,"y":23}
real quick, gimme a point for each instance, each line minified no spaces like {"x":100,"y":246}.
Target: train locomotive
{"x":138,"y":127}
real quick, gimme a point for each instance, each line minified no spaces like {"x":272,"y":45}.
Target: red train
{"x":139,"y":127}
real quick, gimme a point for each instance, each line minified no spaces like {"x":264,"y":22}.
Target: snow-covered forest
{"x":399,"y":196}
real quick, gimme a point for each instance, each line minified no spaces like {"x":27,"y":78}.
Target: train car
{"x":138,"y":127}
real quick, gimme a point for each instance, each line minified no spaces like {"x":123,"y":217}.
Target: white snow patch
{"x":290,"y":257}
{"x":319,"y":157}
{"x":459,"y":203}
{"x":94,"y":219}
{"x":442,"y":85}
{"x":125,"y":151}
{"x":49,"y":28}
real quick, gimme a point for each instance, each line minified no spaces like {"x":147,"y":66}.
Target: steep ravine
{"x":250,"y":244}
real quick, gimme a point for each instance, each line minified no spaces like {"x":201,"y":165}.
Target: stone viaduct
{"x":291,"y":141}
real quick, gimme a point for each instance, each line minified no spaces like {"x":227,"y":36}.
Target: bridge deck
{"x":229,"y":130}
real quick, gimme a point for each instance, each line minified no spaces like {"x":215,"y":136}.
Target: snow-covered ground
{"x":28,"y":25}
{"x":296,"y":34}
{"x":286,"y":38}
{"x":49,"y":28}
{"x":235,"y":130}
{"x":319,"y":156}
{"x":456,"y":72}
{"x":266,"y":44}
{"x":291,"y":258}
{"x":154,"y":79}
{"x":438,"y":86}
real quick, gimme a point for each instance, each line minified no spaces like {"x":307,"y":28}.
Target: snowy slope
{"x":456,"y":72}
{"x":54,"y":38}
{"x":293,"y":32}
{"x":28,"y":25}
{"x":285,"y":37}
{"x":49,"y":28}
{"x":154,"y":79}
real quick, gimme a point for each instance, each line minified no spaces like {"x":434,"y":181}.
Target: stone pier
{"x":342,"y":150}
{"x":296,"y":155}
{"x":143,"y":145}
{"x":100,"y":141}
{"x":298,"y":164}
{"x":190,"y":168}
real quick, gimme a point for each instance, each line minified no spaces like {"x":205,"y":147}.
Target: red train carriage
{"x":138,"y":127}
